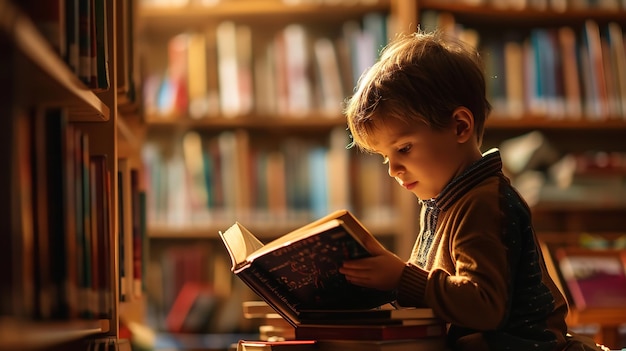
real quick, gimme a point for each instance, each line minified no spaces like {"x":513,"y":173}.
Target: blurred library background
{"x":216,"y":111}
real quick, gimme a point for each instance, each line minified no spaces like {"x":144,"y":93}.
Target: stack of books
{"x":272,"y":326}
{"x":379,"y":329}
{"x":308,"y":304}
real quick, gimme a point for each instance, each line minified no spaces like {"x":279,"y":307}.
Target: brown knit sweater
{"x":477,"y":263}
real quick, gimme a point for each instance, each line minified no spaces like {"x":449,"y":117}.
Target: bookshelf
{"x":263,"y":126}
{"x":580,"y":124}
{"x":60,"y":246}
{"x":597,"y":123}
{"x":279,"y":135}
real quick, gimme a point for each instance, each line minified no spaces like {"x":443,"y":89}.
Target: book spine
{"x":136,"y":234}
{"x":272,"y":294}
{"x":101,"y":54}
{"x":121,"y":225}
{"x":84,"y":41}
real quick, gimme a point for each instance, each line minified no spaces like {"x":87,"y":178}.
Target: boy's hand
{"x":382,"y":271}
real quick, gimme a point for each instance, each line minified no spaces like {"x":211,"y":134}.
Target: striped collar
{"x":489,"y":165}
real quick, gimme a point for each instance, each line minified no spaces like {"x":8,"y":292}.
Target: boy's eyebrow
{"x":401,"y":139}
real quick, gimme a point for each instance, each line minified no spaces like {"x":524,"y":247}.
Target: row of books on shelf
{"x":234,"y":70}
{"x":564,"y":74}
{"x":77,"y":30}
{"x":558,"y":72}
{"x":183,"y":3}
{"x":60,"y":247}
{"x":191,"y":290}
{"x":61,"y":238}
{"x":545,"y":174}
{"x":186,"y":276}
{"x":202,"y":179}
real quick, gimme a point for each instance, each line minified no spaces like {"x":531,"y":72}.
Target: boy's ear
{"x":464,"y":123}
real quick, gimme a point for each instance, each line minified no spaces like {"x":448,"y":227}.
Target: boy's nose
{"x":394,"y":169}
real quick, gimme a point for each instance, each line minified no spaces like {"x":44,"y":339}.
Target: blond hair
{"x":419,"y":78}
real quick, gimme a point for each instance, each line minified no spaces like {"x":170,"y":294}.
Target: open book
{"x":300,"y":270}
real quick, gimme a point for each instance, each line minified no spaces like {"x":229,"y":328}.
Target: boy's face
{"x":422,"y":160}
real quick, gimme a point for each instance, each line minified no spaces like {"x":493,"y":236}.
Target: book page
{"x":294,"y":236}
{"x":306,"y":271}
{"x":240,"y":243}
{"x":356,"y":228}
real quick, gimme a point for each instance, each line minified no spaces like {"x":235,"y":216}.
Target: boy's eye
{"x":405,"y":149}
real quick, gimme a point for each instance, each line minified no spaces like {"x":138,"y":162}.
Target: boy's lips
{"x":409,"y":186}
{"x":406,"y":185}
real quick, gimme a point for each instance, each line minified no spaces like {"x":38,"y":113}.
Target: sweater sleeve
{"x":412,"y":286}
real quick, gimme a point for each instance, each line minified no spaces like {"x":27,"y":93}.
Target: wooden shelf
{"x":52,"y":82}
{"x":155,"y":18}
{"x":20,"y":335}
{"x":321,"y":121}
{"x":579,"y":206}
{"x":261,"y":229}
{"x":527,"y":17}
{"x":315,"y":122}
{"x":500,"y":122}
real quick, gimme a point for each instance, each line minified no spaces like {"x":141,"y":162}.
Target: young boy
{"x":476,"y":261}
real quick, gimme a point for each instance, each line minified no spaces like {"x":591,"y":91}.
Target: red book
{"x":192,"y":309}
{"x":594,"y":278}
{"x":369,"y":332}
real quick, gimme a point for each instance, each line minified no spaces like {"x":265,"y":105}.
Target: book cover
{"x":597,"y":106}
{"x":81,"y":195}
{"x":17,"y":291}
{"x":258,"y":309}
{"x":96,"y":287}
{"x":297,"y":57}
{"x":71,"y":34}
{"x":383,"y":345}
{"x":49,"y":221}
{"x":406,"y":316}
{"x":102,"y":234}
{"x":192,"y":309}
{"x":594,"y":278}
{"x":272,"y":326}
{"x":136,"y":234}
{"x":369,"y":332}
{"x":571,"y":72}
{"x":43,"y":282}
{"x":101,"y":62}
{"x":385,"y":314}
{"x":617,"y":46}
{"x":300,"y":270}
{"x":84,"y":40}
{"x":49,"y":19}
{"x":233,"y":49}
{"x":197,"y":76}
{"x":121,"y":188}
{"x":329,"y":76}
{"x":513,"y":56}
{"x":286,"y":345}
